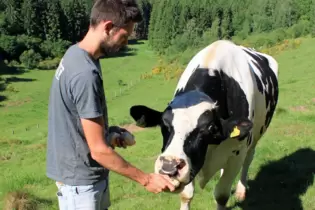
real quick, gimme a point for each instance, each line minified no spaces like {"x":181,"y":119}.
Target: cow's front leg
{"x":240,"y":192}
{"x":186,"y":196}
{"x":222,"y":190}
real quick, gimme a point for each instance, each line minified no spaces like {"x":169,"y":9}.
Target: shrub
{"x":30,"y":58}
{"x":49,"y":64}
{"x":54,"y":49}
{"x":29,"y":42}
{"x":11,"y":47}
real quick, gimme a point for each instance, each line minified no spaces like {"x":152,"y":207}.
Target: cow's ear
{"x":145,"y":116}
{"x":236,"y":128}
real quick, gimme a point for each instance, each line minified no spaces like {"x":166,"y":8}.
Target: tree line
{"x":37,"y":32}
{"x":179,"y":26}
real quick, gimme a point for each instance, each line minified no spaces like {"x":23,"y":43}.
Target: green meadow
{"x":281,"y":176}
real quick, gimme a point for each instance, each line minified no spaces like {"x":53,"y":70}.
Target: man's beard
{"x":108,"y":50}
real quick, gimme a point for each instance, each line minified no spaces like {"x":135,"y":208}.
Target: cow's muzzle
{"x":171,"y":165}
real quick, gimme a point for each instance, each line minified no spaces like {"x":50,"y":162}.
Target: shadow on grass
{"x":134,"y":42}
{"x":123,"y":52}
{"x":279,"y":184}
{"x":8,"y":70}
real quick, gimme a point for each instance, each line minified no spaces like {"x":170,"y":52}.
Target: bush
{"x":54,"y":49}
{"x":302,"y":28}
{"x":13,"y":63}
{"x":30,"y":58}
{"x":29,"y":42}
{"x":11,"y":47}
{"x":49,"y":64}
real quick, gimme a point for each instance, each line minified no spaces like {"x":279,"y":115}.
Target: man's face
{"x":116,"y":38}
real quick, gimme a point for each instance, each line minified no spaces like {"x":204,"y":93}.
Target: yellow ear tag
{"x":235,"y":132}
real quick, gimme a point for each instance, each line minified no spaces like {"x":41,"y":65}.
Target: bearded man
{"x":80,"y":151}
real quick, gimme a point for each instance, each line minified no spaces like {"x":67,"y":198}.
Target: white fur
{"x":186,"y":196}
{"x":226,"y":56}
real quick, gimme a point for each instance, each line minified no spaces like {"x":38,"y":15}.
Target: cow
{"x":223,"y":104}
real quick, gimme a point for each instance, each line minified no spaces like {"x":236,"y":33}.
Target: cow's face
{"x":188,"y":125}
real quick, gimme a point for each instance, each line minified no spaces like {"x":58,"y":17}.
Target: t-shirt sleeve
{"x":86,"y":90}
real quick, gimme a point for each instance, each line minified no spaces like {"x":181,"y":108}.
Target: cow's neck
{"x":191,"y":98}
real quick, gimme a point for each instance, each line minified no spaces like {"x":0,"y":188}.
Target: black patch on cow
{"x":261,"y":130}
{"x":196,"y":143}
{"x":258,"y":82}
{"x":249,"y":139}
{"x":221,"y":88}
{"x":222,"y":199}
{"x":269,"y":81}
{"x":167,"y":129}
{"x":236,"y":152}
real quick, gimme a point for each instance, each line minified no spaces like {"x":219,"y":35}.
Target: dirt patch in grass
{"x":132,"y":128}
{"x":10,"y":142}
{"x":18,"y":102}
{"x":21,"y":200}
{"x":295,"y":130}
{"x":37,"y":146}
{"x":6,"y":156}
{"x":313,"y":100}
{"x":299,"y":109}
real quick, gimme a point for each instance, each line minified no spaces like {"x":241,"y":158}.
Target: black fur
{"x":221,"y":88}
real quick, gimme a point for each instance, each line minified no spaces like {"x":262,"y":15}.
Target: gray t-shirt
{"x":76,"y":92}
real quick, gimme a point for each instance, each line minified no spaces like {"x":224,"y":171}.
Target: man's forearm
{"x":105,"y":155}
{"x":109,"y":159}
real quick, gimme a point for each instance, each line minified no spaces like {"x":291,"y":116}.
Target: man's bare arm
{"x":105,"y":155}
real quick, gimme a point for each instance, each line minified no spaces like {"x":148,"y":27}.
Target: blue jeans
{"x":86,"y":197}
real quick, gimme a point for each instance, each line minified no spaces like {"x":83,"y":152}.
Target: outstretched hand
{"x":158,"y":183}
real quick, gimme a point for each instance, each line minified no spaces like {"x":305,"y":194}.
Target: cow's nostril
{"x":171,"y":165}
{"x":181,"y":164}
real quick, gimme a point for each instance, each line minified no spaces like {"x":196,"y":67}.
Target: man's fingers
{"x":166,"y":177}
{"x":170,"y":186}
{"x":167,"y":183}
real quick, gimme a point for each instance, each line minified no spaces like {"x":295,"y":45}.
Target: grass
{"x":281,"y":175}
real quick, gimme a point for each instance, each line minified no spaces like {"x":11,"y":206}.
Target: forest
{"x":35,"y":33}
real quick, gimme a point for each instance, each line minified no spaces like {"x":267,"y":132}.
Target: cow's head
{"x":188,"y":125}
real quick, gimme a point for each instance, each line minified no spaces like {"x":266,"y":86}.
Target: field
{"x":281,"y":175}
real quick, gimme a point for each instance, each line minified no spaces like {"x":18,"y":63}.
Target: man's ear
{"x":145,"y":116}
{"x":108,"y":26}
{"x":237,"y":128}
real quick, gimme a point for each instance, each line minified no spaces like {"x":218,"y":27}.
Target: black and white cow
{"x":222,"y":106}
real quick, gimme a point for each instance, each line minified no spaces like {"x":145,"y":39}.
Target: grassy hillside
{"x":282,"y":174}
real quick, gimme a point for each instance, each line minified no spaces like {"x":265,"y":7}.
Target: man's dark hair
{"x":120,"y":12}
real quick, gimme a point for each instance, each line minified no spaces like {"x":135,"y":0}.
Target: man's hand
{"x":158,"y":183}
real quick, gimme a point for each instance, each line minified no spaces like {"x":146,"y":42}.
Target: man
{"x":78,"y":156}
